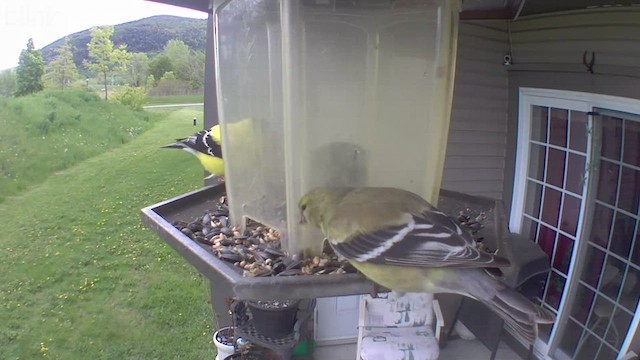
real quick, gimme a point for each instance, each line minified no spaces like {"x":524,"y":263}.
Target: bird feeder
{"x":331,"y":93}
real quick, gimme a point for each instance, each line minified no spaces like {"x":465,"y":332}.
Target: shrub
{"x":133,"y":97}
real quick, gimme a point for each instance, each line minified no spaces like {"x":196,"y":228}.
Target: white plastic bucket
{"x":222,"y":350}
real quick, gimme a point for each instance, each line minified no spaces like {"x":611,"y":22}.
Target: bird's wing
{"x":428,"y":239}
{"x":212,"y":144}
{"x":202,"y":142}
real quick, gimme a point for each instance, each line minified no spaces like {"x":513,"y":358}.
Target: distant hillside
{"x":148,"y":35}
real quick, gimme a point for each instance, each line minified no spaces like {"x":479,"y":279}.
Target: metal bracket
{"x":589,"y":63}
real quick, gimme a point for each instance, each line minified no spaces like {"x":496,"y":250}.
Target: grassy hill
{"x":148,"y":35}
{"x":81,"y":277}
{"x":54,"y":129}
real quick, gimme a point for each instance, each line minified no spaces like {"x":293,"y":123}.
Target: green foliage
{"x":133,"y":97}
{"x":105,"y":58}
{"x":183,"y":38}
{"x":151,"y":81}
{"x":62,"y":71}
{"x":168,"y":76}
{"x":160,"y":65}
{"x":82,"y":278}
{"x":7,"y":82}
{"x":54,"y":129}
{"x":197,"y":64}
{"x":30,"y":71}
{"x":178,"y":52}
{"x":180,"y":70}
{"x":169,"y":85}
{"x":188,"y":65}
{"x":138,"y":68}
{"x":148,"y":35}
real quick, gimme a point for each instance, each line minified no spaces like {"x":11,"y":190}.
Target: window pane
{"x":630,"y":289}
{"x":582,"y":305}
{"x":562,"y":258}
{"x":588,"y":347}
{"x":537,"y":158}
{"x":578,"y":137}
{"x":611,"y":137}
{"x":629,"y":190}
{"x":575,"y":173}
{"x":534,"y":195}
{"x":539,"y":123}
{"x":635,"y":256}
{"x":602,"y":311}
{"x":551,"y":206}
{"x":606,"y":353}
{"x":534,"y":288}
{"x":632,"y":142}
{"x":608,"y":182}
{"x":554,"y":290}
{"x":546,"y":239}
{"x":570,"y":338}
{"x":618,"y":328}
{"x":529,"y":228}
{"x":555,"y":167}
{"x":622,"y":234}
{"x":594,"y":261}
{"x":558,"y":127}
{"x":570,"y":214}
{"x":612,"y":277}
{"x":601,"y":225}
{"x":544,"y":332}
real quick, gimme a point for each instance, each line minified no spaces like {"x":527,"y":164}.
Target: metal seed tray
{"x":190,"y":206}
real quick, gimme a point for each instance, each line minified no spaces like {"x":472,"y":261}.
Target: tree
{"x":7,"y":82}
{"x":188,"y":65}
{"x":138,"y":67}
{"x":62,"y":70}
{"x":168,"y":76}
{"x":160,"y":65}
{"x":151,"y":81}
{"x":133,"y":97}
{"x":106,"y":58}
{"x":196,"y":69}
{"x":30,"y":71}
{"x":178,"y":52}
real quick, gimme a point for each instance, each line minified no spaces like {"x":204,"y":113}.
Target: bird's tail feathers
{"x":520,"y":314}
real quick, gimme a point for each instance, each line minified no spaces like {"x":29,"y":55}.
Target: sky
{"x":49,"y":20}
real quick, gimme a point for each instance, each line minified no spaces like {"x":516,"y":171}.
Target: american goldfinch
{"x":401,"y":242}
{"x":206,"y":146}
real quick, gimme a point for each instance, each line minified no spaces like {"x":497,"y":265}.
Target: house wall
{"x":477,"y":136}
{"x":548,"y":53}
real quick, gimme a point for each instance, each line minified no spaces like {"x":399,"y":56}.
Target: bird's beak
{"x":303,"y":220}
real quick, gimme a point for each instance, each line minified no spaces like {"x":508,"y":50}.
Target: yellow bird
{"x":400,"y":241}
{"x":206,"y":146}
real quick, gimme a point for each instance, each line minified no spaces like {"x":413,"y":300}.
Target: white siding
{"x":477,"y":135}
{"x":557,"y":42}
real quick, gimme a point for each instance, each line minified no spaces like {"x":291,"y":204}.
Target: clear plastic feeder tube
{"x":331,"y":93}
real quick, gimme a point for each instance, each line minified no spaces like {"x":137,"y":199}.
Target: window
{"x":576,"y":194}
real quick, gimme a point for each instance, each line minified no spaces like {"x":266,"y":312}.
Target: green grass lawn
{"x":82,"y":278}
{"x":55,"y":129}
{"x":174,"y":99}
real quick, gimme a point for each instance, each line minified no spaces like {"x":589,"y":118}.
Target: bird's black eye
{"x":303,"y":207}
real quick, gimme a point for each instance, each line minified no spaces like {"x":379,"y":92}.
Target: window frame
{"x":578,"y":101}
